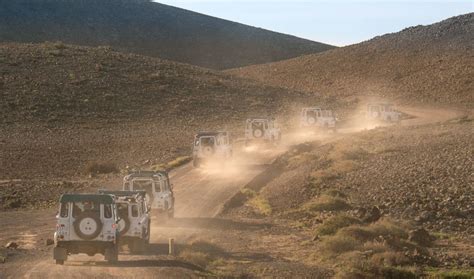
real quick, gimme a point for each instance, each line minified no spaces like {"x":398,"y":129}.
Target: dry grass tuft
{"x":195,"y":257}
{"x":261,"y":204}
{"x":328,"y":203}
{"x":333,"y":224}
{"x":338,"y":244}
{"x":172,"y":164}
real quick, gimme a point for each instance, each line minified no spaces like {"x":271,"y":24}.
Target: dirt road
{"x":199,"y":195}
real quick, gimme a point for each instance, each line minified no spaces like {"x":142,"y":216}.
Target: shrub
{"x":172,"y":164}
{"x":389,"y":259}
{"x":261,"y":205}
{"x":197,"y":258}
{"x":333,"y":224}
{"x":328,"y":203}
{"x":338,"y":244}
{"x":101,"y":168}
{"x":335,"y":193}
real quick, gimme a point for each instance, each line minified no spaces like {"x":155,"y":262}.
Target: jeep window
{"x":64,"y":210}
{"x":107,"y":211}
{"x":146,"y":185}
{"x":208,"y":141}
{"x":134,"y":210}
{"x":122,"y":210}
{"x":80,"y":207}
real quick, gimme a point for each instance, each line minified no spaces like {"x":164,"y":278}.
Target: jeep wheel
{"x":311,"y":120}
{"x":170,"y":213}
{"x":138,"y":246}
{"x":111,"y":254}
{"x":88,"y":225}
{"x":60,"y":262}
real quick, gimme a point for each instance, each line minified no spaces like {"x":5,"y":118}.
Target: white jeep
{"x":211,"y":145}
{"x":86,"y":223}
{"x":159,"y":193}
{"x":262,"y":129}
{"x":317,"y":117}
{"x":134,"y":220}
{"x":382,"y":112}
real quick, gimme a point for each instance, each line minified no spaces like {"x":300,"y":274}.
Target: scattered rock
{"x":373,"y":215}
{"x":12,"y":245}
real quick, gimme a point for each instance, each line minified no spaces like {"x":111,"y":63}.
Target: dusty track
{"x":199,"y":196}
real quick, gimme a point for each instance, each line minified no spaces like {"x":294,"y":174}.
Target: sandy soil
{"x":200,"y":194}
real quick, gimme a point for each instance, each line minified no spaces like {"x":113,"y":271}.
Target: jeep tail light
{"x":114,"y":226}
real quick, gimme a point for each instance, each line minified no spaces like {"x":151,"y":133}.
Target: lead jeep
{"x":86,"y":223}
{"x":317,"y":117}
{"x":159,"y":193}
{"x":262,"y":129}
{"x":211,"y":145}
{"x":134,"y":220}
{"x":382,"y":112}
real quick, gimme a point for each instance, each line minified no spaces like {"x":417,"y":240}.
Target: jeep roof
{"x":210,"y":133}
{"x":100,"y":198}
{"x":146,"y":174}
{"x":380,"y":104}
{"x":261,"y":118}
{"x":141,"y":193}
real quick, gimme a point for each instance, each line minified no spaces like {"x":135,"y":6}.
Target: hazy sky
{"x":338,"y":22}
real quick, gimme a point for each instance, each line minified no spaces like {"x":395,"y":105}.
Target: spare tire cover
{"x":124,"y":224}
{"x":311,"y":120}
{"x":88,"y":225}
{"x":257,"y":133}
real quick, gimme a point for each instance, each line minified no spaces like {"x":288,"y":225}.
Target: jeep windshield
{"x":327,"y":113}
{"x":85,"y":206}
{"x":143,"y":184}
{"x":207,"y":141}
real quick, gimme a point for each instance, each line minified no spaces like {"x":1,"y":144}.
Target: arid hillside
{"x":428,"y":64}
{"x":148,"y":28}
{"x":66,"y":106}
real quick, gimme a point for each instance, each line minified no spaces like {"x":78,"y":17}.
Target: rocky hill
{"x":429,"y":64}
{"x":64,"y":106}
{"x":148,"y":28}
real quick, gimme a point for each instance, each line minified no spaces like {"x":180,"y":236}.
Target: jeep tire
{"x":138,"y":246}
{"x":196,"y":162}
{"x":111,"y":254}
{"x":88,"y":221}
{"x":170,"y":213}
{"x":60,"y":255}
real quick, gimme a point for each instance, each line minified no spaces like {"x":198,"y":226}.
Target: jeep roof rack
{"x":146,"y":173}
{"x":123,"y":193}
{"x":100,"y":198}
{"x":210,"y":133}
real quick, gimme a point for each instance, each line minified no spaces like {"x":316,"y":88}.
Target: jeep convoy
{"x":211,"y":145}
{"x":159,"y":193}
{"x":319,"y":118}
{"x":100,"y":223}
{"x":262,"y":129}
